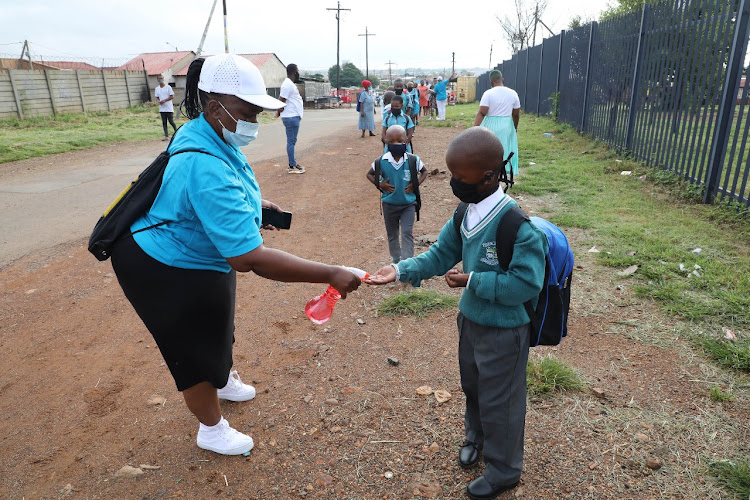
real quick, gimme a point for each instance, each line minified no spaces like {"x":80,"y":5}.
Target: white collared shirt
{"x":400,"y":163}
{"x":478,"y":211}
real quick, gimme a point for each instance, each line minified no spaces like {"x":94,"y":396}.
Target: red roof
{"x":156,"y":62}
{"x":71,"y":65}
{"x":257,"y":59}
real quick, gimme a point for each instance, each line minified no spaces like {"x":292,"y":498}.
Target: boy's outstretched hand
{"x":385,"y":275}
{"x":456,"y":279}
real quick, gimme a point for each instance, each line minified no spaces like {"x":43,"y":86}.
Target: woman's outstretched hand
{"x":344,"y":281}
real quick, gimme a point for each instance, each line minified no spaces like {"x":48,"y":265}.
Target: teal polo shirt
{"x":213,"y":199}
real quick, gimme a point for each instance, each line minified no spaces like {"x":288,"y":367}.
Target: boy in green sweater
{"x":493,"y":325}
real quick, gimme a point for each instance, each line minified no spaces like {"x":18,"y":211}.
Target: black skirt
{"x":189,"y":312}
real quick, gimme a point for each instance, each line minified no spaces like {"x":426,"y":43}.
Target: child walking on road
{"x":393,"y":174}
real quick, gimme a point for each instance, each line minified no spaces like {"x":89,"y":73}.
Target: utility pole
{"x":367,"y":53}
{"x":491,"y":55}
{"x":536,"y":21}
{"x":390,"y":77}
{"x":205,"y":31}
{"x":338,"y":10}
{"x":226,"y":37}
{"x":25,"y":51}
{"x":453,"y":67}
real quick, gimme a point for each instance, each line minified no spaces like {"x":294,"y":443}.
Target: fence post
{"x":147,"y":92}
{"x":559,"y":62}
{"x":19,"y":110}
{"x":106,"y":91}
{"x":127,"y":87}
{"x":51,"y":95}
{"x":635,"y":85}
{"x":728,"y":102}
{"x":587,"y":81}
{"x":80,"y":90}
{"x":539,"y":85}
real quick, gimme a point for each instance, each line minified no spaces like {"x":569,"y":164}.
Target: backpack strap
{"x":507,"y":230}
{"x":376,"y":164}
{"x":412,"y":160}
{"x":458,"y":217}
{"x":165,"y":167}
{"x":505,"y":241}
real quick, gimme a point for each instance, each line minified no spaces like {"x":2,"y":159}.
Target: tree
{"x":522,"y":24}
{"x":351,"y":76}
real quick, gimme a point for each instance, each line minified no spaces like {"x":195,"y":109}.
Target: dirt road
{"x":55,"y":199}
{"x":84,"y":391}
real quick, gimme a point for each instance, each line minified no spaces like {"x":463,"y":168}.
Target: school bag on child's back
{"x":411,"y":160}
{"x":549,"y":322}
{"x":132,"y":203}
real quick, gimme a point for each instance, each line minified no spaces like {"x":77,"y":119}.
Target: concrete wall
{"x":28,"y":93}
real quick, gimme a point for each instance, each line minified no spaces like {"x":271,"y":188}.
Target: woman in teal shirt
{"x":180,"y":277}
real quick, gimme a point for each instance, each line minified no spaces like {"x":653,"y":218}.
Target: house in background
{"x":161,"y":63}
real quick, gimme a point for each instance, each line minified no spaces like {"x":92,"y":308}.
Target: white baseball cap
{"x":234,"y":75}
{"x":440,"y":78}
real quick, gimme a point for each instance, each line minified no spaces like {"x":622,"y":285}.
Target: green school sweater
{"x":494,"y":297}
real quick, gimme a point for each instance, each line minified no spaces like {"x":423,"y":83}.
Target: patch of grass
{"x":623,"y":215}
{"x":46,"y":135}
{"x":734,"y":355}
{"x":416,"y":303}
{"x":461,"y":115}
{"x":548,"y":375}
{"x":716,"y":395}
{"x":734,"y":475}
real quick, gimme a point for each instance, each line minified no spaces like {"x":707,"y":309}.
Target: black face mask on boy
{"x":468,"y":193}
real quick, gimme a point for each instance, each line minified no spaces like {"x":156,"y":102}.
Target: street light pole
{"x":338,"y":10}
{"x":367,"y":52}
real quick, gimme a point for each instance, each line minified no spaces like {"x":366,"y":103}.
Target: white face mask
{"x":244,"y":134}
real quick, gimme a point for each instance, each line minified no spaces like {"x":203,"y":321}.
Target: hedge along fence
{"x":25,"y":93}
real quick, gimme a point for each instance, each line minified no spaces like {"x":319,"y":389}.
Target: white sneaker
{"x":235,"y":390}
{"x":223,"y":439}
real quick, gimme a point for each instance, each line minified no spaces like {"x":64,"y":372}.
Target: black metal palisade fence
{"x":665,"y":83}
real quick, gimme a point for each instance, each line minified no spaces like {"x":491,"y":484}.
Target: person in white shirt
{"x":291,"y":115}
{"x":165,"y":94}
{"x":499,"y":111}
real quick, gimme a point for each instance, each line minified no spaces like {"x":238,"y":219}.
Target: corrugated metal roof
{"x":71,"y":65}
{"x":156,"y":62}
{"x":257,"y":59}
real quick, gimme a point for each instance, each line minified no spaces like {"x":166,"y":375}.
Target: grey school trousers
{"x":400,"y":216}
{"x":492,"y":362}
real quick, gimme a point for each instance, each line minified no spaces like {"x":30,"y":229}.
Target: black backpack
{"x":412,"y":160}
{"x":549,"y":322}
{"x":132,"y":203}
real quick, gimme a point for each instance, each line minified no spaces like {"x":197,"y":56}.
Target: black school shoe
{"x":481,"y":489}
{"x":468,"y":456}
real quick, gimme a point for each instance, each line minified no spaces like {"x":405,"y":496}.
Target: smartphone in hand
{"x":279,"y":220}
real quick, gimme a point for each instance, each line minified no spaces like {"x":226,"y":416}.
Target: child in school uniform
{"x":398,"y":193}
{"x":395,"y":116}
{"x":492,"y":322}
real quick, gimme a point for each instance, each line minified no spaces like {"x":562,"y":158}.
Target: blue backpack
{"x":549,"y":322}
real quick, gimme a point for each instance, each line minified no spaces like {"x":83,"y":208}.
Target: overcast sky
{"x":409,"y":33}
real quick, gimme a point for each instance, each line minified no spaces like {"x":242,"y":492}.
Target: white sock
{"x":209,"y":428}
